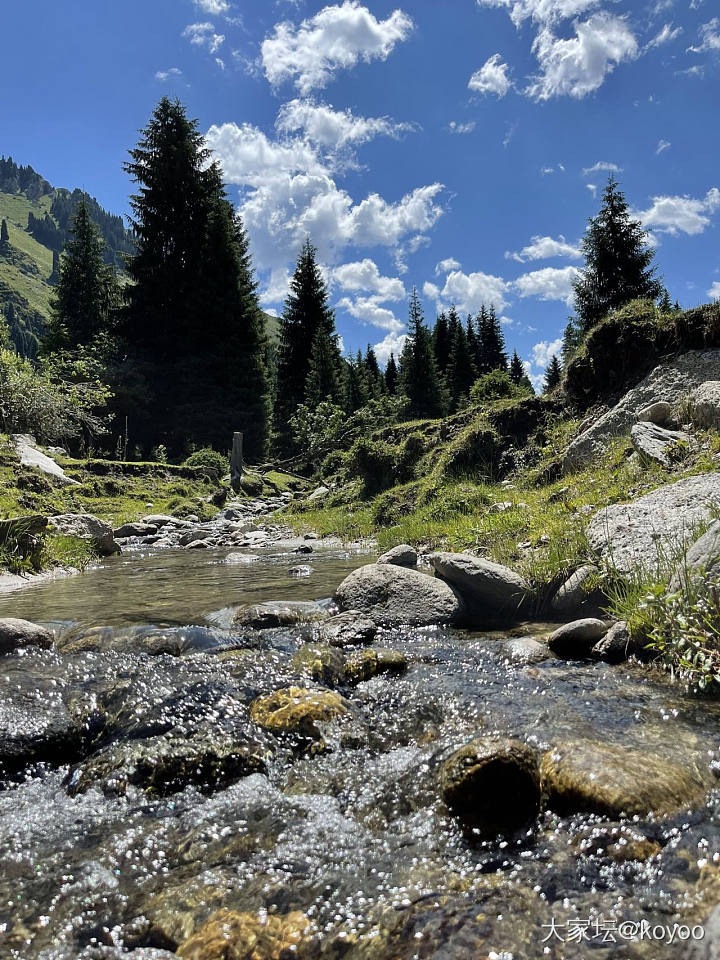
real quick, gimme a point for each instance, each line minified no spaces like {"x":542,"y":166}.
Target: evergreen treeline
{"x":18,"y":179}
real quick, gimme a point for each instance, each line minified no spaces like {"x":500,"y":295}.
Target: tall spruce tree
{"x":472,"y":341}
{"x":461,"y":370}
{"x":441,"y":341}
{"x":307,"y":329}
{"x":4,"y":234}
{"x":571,"y":340}
{"x":553,"y":375}
{"x":375,"y":379}
{"x":491,"y":341}
{"x":391,"y":376}
{"x":618,"y":261}
{"x":86,"y":293}
{"x":517,"y":371}
{"x":665,"y":303}
{"x":355,"y":388}
{"x":419,"y":377}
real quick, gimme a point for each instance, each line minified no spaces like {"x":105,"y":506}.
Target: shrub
{"x":381,"y":465}
{"x":332,"y":464}
{"x":214,"y":464}
{"x":475,"y":451}
{"x":495,"y":385}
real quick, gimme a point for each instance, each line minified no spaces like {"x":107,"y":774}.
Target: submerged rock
{"x":489,"y":589}
{"x":526,"y":650}
{"x":574,"y":641}
{"x":246,"y":936}
{"x":280,"y":614}
{"x":588,"y":777}
{"x":492,"y":785}
{"x":16,"y":633}
{"x":365,"y":664}
{"x":402,"y":556}
{"x":87,"y":527}
{"x":394,"y":595}
{"x":347,"y":629}
{"x":295,"y":711}
{"x":320,"y":661}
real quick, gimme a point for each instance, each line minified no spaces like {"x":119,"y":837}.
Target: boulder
{"x":526,"y":650}
{"x":662,"y":446}
{"x":489,"y":589}
{"x":138,"y":529}
{"x":573,"y":597}
{"x":87,"y":527}
{"x":319,"y":493}
{"x":30,"y":456}
{"x":492,"y":785}
{"x":611,"y":780}
{"x":616,"y":646}
{"x":248,"y":936}
{"x":278,"y":613}
{"x":347,"y":629}
{"x":702,"y":559}
{"x":402,"y":556}
{"x":651,"y":530}
{"x":16,"y":633}
{"x":705,"y":401}
{"x":575,"y":640}
{"x":163,"y":520}
{"x":365,"y":664}
{"x":658,"y":412}
{"x":393,"y":595}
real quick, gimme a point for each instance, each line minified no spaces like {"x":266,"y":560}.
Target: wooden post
{"x":236,"y":461}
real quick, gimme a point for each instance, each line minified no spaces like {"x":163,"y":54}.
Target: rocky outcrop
{"x":610,"y":780}
{"x":702,"y":559}
{"x":403,"y":555}
{"x":492,"y":785}
{"x":650,"y":531}
{"x":489,"y":589}
{"x":393,"y":596}
{"x":85,"y":526}
{"x":659,"y":445}
{"x":278,"y":613}
{"x":670,"y":381}
{"x":30,"y":456}
{"x":705,"y":404}
{"x":574,"y":641}
{"x":16,"y":633}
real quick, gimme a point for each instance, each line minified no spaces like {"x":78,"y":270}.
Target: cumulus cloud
{"x":391,"y":343}
{"x":363,"y":275}
{"x":455,"y":127}
{"x":714,"y":291}
{"x":676,"y":215}
{"x":663,"y":145}
{"x":666,"y":35}
{"x":543,"y":248}
{"x":213,"y":8}
{"x":491,"y":77}
{"x":368,"y":310}
{"x":709,"y":34}
{"x":541,"y":11}
{"x":174,"y":73}
{"x":602,"y":166}
{"x":334,"y":129}
{"x":337,"y":37}
{"x":578,"y":66}
{"x":203,"y":35}
{"x":445,"y":266}
{"x":549,"y":283}
{"x":469,"y":291}
{"x":543,"y":352}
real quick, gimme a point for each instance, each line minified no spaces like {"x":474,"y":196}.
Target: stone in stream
{"x":137,"y":529}
{"x":489,"y":589}
{"x":402,"y":556}
{"x":16,"y":633}
{"x":303,"y":570}
{"x":492,"y":785}
{"x":393,"y":596}
{"x":242,"y":558}
{"x":248,"y":936}
{"x":347,"y":629}
{"x":278,"y":613}
{"x":365,"y":664}
{"x":616,"y":646}
{"x":87,"y":527}
{"x":575,"y":640}
{"x":296,"y":712}
{"x":163,"y":520}
{"x":588,"y":777}
{"x":320,"y":661}
{"x":708,"y":948}
{"x":526,"y":650}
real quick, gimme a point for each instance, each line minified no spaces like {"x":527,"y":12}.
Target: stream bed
{"x":336,"y":844}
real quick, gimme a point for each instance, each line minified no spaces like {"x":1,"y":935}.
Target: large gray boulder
{"x":705,"y":401}
{"x":659,"y":412}
{"x":702,"y":559}
{"x":658,"y":444}
{"x":393,"y":596}
{"x":652,"y":530}
{"x":87,"y":527}
{"x":574,"y":641}
{"x":574,"y":597}
{"x":672,"y":380}
{"x":16,"y":633}
{"x":489,"y":589}
{"x":402,"y":556}
{"x":30,"y":456}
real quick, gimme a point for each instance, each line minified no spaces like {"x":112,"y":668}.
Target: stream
{"x":351,"y":841}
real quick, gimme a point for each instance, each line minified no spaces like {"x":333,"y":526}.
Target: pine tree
{"x":572,"y":338}
{"x":86,"y":292}
{"x":355,"y":388}
{"x":323,"y":380}
{"x":461,"y":369}
{"x":4,"y":234}
{"x":441,"y":342}
{"x":517,"y":371}
{"x":391,"y":376}
{"x":375,"y":380}
{"x":665,"y":303}
{"x":472,"y":342}
{"x":305,"y":318}
{"x":419,"y":377}
{"x":618,"y":261}
{"x":491,"y":341}
{"x":553,"y":375}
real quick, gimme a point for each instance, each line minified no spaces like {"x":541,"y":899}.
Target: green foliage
{"x":475,"y":451}
{"x":381,"y":465}
{"x":315,"y":429}
{"x":213,"y":463}
{"x":19,"y":550}
{"x":391,"y":376}
{"x":497,"y":385}
{"x":491,"y":342}
{"x":420,"y":379}
{"x":553,"y":375}
{"x":62,"y":551}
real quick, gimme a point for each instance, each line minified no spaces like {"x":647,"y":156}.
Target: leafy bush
{"x":318,"y":431}
{"x":381,"y":465}
{"x":475,"y":452}
{"x":332,"y":464}
{"x":210,"y":461}
{"x":495,"y":385}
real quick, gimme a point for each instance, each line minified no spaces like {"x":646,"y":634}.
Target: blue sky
{"x":458,"y":146}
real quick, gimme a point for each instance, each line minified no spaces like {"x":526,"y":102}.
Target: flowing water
{"x":354,"y":839}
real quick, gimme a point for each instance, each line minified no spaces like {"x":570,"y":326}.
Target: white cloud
{"x":714,"y":291}
{"x":675,"y":215}
{"x":663,"y":145}
{"x":602,"y":166}
{"x":174,"y":73}
{"x":335,"y":38}
{"x":666,"y":35}
{"x":577,"y":66}
{"x":213,"y":8}
{"x":392,"y":343}
{"x":592,"y":188}
{"x":369,"y":311}
{"x":543,"y":248}
{"x":334,"y":129}
{"x":278,"y":286}
{"x":469,"y":291}
{"x":491,"y":77}
{"x":363,"y":275}
{"x":549,"y":283}
{"x":709,"y":36}
{"x":203,"y":35}
{"x":541,"y":11}
{"x":250,"y":158}
{"x":445,"y":266}
{"x":543,"y":352}
{"x":456,"y":127}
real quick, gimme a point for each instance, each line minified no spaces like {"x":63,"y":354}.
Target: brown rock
{"x":246,"y":936}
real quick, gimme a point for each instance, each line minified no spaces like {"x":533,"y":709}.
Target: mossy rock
{"x":365,"y":664}
{"x":296,"y":711}
{"x":246,"y":936}
{"x":319,"y":661}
